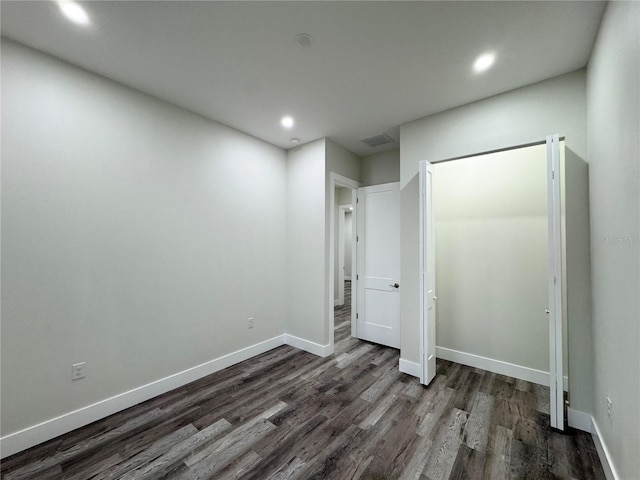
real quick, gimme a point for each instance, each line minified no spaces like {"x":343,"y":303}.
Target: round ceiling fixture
{"x":295,"y":140}
{"x":303,"y":40}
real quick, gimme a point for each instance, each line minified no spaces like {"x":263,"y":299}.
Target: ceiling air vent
{"x":378,"y":140}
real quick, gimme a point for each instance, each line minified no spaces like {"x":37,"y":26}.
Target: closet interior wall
{"x":491,"y":258}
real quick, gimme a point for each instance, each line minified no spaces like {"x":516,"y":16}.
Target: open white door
{"x":378,"y":264}
{"x":427,"y":276}
{"x":556,"y":310}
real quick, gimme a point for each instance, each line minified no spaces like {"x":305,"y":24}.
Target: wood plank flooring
{"x":290,"y":415}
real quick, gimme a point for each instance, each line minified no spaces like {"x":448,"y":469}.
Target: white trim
{"x":335,"y":180}
{"x":347,"y":277}
{"x":337,"y":303}
{"x":422,"y":260}
{"x":585,"y":422}
{"x":603,"y":452}
{"x":31,"y":436}
{"x":410,"y":368}
{"x":579,"y":420}
{"x":308,"y":346}
{"x":497,"y":366}
{"x":354,"y":260}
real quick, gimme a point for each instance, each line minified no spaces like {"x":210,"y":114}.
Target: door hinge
{"x":555,"y":280}
{"x":357,"y":238}
{"x":553,"y":175}
{"x":357,"y":316}
{"x":357,"y":277}
{"x":357,"y":200}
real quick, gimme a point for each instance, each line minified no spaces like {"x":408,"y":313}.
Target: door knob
{"x":547,"y":311}
{"x":435,"y":298}
{"x":395,"y":285}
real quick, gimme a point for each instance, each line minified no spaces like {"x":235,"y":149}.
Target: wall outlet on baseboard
{"x":78,"y":371}
{"x":251,"y":322}
{"x":609,"y":406}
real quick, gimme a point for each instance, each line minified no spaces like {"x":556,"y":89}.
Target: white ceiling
{"x":371,"y":67}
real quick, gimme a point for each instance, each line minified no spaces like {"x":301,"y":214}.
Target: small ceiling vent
{"x":378,"y":140}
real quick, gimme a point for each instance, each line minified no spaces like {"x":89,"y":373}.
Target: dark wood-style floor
{"x":290,"y":415}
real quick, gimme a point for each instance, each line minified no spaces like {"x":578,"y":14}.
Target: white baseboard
{"x":585,"y":422}
{"x":31,"y":436}
{"x":496,"y":366}
{"x":603,"y":452}
{"x":308,"y":346}
{"x":489,"y":364}
{"x":410,"y":368}
{"x":579,"y":420}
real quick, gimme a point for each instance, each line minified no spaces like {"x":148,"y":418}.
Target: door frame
{"x":555,"y":271}
{"x":336,"y":180}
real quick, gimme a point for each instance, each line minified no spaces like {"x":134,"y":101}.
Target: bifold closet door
{"x":556,"y":281}
{"x":427,"y":276}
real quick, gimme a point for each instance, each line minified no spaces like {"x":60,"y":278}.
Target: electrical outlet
{"x":78,"y":371}
{"x":609,"y":406}
{"x":251,"y":322}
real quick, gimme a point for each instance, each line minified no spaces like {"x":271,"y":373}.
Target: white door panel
{"x":556,"y":298}
{"x":378,"y":312}
{"x":427,"y":276}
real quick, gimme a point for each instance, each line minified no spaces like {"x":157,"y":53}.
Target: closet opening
{"x":493,"y":270}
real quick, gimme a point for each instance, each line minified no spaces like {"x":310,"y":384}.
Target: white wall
{"x":136,"y":237}
{"x":518,"y":117}
{"x":342,"y":161}
{"x":379,"y":168}
{"x":613,"y":103}
{"x":305,"y":279}
{"x":491,"y":256}
{"x":344,"y":196}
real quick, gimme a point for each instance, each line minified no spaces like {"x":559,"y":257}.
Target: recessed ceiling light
{"x":287,"y":121}
{"x":74,"y":12}
{"x":484,"y":62}
{"x":295,"y":140}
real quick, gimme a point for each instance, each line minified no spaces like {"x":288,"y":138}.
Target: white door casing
{"x":427,"y":276}
{"x":378,"y":264}
{"x":336,"y":180}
